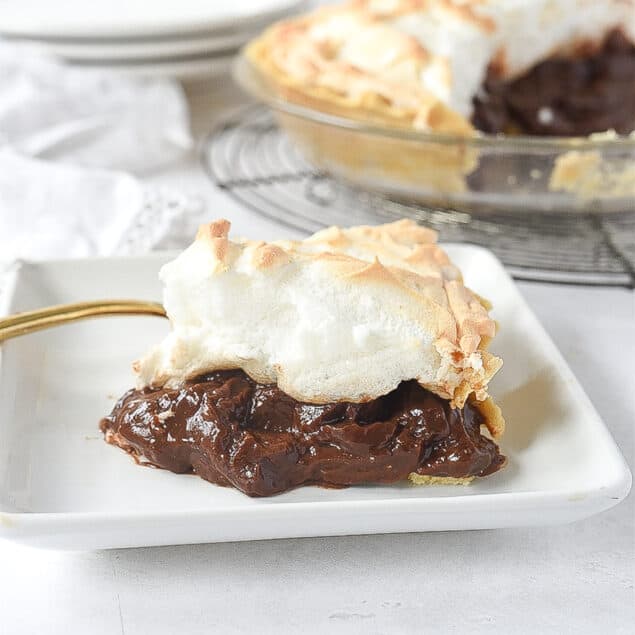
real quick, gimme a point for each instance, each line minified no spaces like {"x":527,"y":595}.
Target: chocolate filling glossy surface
{"x":564,"y":96}
{"x":231,"y":430}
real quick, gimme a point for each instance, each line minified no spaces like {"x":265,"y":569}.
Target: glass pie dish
{"x":477,"y":173}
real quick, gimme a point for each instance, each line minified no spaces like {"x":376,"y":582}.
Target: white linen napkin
{"x":53,"y":210}
{"x":87,"y":116}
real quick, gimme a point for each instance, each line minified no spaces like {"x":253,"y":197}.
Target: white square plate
{"x":61,"y":486}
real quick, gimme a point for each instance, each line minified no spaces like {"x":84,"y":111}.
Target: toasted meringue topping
{"x":423,"y":61}
{"x":345,"y":315}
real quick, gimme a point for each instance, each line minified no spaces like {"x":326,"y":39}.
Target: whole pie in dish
{"x":354,"y":356}
{"x":539,"y":67}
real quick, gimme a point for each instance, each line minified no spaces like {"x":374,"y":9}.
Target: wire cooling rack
{"x":254,"y":161}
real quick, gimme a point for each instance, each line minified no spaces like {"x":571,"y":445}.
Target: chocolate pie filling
{"x":233,"y":431}
{"x":563,"y":96}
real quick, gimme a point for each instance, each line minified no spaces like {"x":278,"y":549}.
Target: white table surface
{"x":570,"y":579}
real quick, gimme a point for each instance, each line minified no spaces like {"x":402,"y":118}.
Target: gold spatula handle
{"x":30,"y":321}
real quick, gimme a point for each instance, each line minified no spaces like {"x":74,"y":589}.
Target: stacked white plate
{"x":146,"y":37}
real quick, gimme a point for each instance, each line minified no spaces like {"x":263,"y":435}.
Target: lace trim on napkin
{"x":167,"y":220}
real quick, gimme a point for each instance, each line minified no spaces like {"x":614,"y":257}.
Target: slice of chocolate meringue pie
{"x":354,"y":356}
